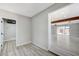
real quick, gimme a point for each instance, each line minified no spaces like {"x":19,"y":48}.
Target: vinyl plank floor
{"x":10,"y":49}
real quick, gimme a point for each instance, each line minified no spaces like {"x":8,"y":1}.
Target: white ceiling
{"x":26,"y":9}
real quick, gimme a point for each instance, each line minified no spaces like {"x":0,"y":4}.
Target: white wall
{"x":40,"y":26}
{"x":66,"y":12}
{"x":23,"y":26}
{"x":23,"y":31}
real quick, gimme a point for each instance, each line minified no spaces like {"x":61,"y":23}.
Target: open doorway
{"x":9,"y":33}
{"x":9,"y":29}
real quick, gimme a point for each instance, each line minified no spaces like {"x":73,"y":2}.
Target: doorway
{"x":8,"y":34}
{"x":10,"y":29}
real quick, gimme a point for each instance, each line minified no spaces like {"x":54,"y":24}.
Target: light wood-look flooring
{"x":10,"y":49}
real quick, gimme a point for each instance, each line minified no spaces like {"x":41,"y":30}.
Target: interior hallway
{"x":26,"y":50}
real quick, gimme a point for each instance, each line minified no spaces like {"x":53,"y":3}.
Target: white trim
{"x":40,"y":46}
{"x":10,"y":39}
{"x":49,"y":31}
{"x":23,"y":43}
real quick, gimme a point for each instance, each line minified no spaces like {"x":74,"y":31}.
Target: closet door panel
{"x":74,"y":38}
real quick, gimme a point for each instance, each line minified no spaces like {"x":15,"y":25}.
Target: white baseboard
{"x":25,"y":43}
{"x":40,"y":46}
{"x":10,"y":39}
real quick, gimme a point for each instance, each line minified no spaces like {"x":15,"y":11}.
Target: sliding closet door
{"x":53,"y":36}
{"x":74,"y":37}
{"x":60,"y":39}
{"x":65,"y":38}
